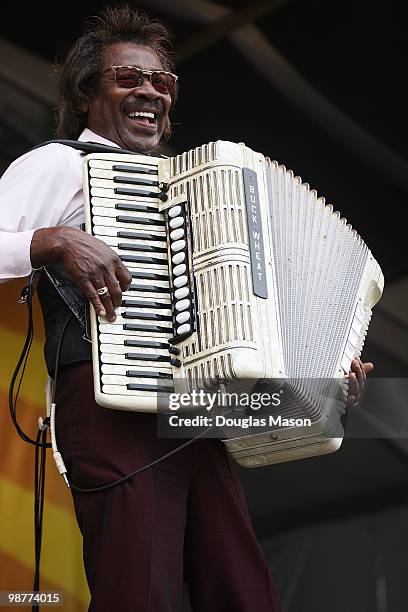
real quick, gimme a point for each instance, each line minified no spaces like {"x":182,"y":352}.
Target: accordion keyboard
{"x":133,"y":357}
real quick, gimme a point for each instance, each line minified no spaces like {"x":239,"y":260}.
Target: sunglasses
{"x":129,"y":77}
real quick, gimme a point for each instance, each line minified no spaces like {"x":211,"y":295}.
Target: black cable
{"x":27,"y":294}
{"x":39,"y":497}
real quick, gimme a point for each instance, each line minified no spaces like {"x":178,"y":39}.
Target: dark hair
{"x":78,"y":75}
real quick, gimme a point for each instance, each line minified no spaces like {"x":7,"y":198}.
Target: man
{"x":189,"y":508}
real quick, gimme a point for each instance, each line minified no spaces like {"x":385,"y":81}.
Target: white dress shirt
{"x":42,"y":188}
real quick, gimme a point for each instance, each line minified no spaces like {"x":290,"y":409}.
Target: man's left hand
{"x":357,"y":377}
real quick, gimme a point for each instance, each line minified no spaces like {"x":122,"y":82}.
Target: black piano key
{"x":146,"y":343}
{"x":145,"y":304}
{"x":148,"y":316}
{"x":141,"y":220}
{"x":142,"y":260}
{"x":148,"y":288}
{"x":149,"y":275}
{"x":136,"y":169}
{"x":134,"y":180}
{"x":136,"y":192}
{"x":139,"y":236}
{"x":147,"y":357}
{"x":156,"y":389}
{"x":154,"y":329}
{"x":137,"y":207}
{"x":144,"y":374}
{"x":148,"y":248}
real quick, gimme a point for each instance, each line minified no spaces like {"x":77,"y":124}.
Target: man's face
{"x":109,"y":111}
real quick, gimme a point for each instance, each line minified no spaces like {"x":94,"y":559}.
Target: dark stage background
{"x":319,"y":86}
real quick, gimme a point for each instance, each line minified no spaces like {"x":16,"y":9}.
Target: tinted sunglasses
{"x":129,"y":77}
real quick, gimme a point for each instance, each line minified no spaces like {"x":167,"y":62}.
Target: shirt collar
{"x":89,"y":136}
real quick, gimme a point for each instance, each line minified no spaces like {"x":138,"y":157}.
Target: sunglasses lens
{"x":163,"y":83}
{"x":129,"y":77}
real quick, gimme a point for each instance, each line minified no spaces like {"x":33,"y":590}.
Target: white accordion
{"x":240,"y":272}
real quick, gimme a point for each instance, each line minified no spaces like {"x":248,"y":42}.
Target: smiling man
{"x":187,"y":515}
{"x":117,"y":87}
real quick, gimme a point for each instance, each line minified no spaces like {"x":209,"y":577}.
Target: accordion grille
{"x":223,"y":283}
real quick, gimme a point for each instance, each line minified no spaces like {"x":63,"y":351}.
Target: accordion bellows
{"x":252,"y":277}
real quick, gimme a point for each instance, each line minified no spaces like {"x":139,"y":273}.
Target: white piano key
{"x":118,"y":390}
{"x":123,"y":321}
{"x":112,"y":229}
{"x":114,"y":241}
{"x":105,"y":173}
{"x":146,"y":253}
{"x":108,"y":164}
{"x":119,"y":349}
{"x":120,"y":370}
{"x":130,"y":363}
{"x":121,"y":338}
{"x":122,"y":225}
{"x":112,"y":379}
{"x":117,"y":328}
{"x":104,"y":211}
{"x":111,"y":203}
{"x":100,"y":192}
{"x":107,"y":184}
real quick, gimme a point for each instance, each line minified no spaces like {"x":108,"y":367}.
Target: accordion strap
{"x":76,"y":304}
{"x":86,"y":147}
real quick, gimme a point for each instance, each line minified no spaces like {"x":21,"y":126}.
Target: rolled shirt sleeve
{"x":43,"y":188}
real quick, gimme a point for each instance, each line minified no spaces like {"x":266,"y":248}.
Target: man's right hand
{"x":90,"y":263}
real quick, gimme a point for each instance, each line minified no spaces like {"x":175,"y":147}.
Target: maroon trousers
{"x":189,"y":511}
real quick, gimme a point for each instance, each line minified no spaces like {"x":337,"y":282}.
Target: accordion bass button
{"x":178,"y":258}
{"x":180,"y":281}
{"x":177,"y":233}
{"x":179,"y":294}
{"x":183,"y":317}
{"x":182,"y":305}
{"x":183,"y":329}
{"x":176,"y":222}
{"x":180,"y":269}
{"x":178,"y":246}
{"x":174,"y":212}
